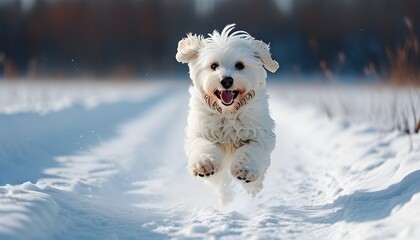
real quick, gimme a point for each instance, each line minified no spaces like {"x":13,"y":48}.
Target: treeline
{"x":138,"y":38}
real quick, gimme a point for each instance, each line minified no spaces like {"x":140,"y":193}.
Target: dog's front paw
{"x":204,"y":167}
{"x":243,"y":169}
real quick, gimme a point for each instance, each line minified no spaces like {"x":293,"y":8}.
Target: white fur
{"x":236,"y":140}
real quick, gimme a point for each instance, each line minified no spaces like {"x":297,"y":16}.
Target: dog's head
{"x":228,"y":68}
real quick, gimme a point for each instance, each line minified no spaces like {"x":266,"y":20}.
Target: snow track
{"x":115,"y":169}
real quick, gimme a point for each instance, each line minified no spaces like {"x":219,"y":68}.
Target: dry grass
{"x":395,"y":105}
{"x":404,"y":59}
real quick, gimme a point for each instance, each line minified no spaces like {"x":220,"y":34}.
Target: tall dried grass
{"x":395,"y":105}
{"x":404,"y":59}
{"x":405,"y":71}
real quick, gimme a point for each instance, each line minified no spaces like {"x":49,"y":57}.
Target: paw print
{"x":242,"y":170}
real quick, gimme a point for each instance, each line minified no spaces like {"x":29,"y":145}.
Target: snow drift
{"x":106,"y":161}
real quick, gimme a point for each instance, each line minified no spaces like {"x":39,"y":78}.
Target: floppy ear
{"x":262,"y":51}
{"x":188,"y":48}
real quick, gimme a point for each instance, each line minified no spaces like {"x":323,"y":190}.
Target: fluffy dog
{"x":230,"y":131}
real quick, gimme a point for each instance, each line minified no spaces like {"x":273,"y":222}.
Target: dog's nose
{"x":227,"y":82}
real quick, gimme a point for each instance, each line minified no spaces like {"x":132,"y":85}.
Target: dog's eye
{"x":214,"y":66}
{"x":239,"y":66}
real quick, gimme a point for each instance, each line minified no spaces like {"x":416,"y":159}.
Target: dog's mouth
{"x":226,"y":96}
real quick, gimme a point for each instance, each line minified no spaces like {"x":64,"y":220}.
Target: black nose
{"x":227,"y":82}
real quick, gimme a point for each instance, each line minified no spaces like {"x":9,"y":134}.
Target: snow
{"x":100,"y":160}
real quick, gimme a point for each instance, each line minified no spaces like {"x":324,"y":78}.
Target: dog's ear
{"x":188,"y":48}
{"x":262,"y":51}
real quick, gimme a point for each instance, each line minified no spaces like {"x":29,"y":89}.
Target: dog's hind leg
{"x":249,"y":165}
{"x":253,"y":188}
{"x":222,"y":184}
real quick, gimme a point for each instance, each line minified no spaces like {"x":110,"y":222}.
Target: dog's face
{"x":227,"y":68}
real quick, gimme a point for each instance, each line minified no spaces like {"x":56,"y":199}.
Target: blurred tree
{"x":132,"y":38}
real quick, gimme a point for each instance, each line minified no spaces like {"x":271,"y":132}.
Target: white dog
{"x":230,"y":132}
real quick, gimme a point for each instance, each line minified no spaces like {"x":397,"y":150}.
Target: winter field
{"x":91,"y":160}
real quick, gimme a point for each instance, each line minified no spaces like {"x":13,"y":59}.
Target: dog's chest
{"x":231,"y":133}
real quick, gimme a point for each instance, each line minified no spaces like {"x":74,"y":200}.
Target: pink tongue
{"x":226,"y":96}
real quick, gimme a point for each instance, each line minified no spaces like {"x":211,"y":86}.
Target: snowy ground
{"x":106,"y":161}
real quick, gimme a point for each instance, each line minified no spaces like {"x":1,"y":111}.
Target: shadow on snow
{"x":360,"y":206}
{"x":29,"y":142}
